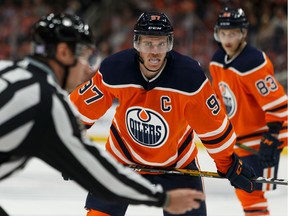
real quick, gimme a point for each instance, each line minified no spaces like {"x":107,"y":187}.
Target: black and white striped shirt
{"x":36,"y":120}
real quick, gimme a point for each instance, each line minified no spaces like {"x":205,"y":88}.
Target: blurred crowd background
{"x":113,"y":20}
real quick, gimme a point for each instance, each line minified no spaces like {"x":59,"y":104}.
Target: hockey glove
{"x":268,"y":150}
{"x":240,"y":175}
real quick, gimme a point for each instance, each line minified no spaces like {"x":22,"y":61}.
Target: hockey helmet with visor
{"x":231,"y":18}
{"x":153,"y":24}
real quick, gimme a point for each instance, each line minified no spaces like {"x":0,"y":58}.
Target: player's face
{"x":230,"y":40}
{"x":82,"y":71}
{"x":153,"y":49}
{"x":78,"y":74}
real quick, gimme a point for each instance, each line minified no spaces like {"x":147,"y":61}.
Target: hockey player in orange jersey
{"x":163,"y":98}
{"x":255,"y":102}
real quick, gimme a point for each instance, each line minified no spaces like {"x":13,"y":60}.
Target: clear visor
{"x":153,"y":46}
{"x":222,"y":35}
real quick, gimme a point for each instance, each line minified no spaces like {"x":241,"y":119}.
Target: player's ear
{"x":245,"y":32}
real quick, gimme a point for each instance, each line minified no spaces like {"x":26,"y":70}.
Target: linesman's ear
{"x":64,"y":53}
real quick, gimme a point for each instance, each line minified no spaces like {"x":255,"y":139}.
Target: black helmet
{"x":232,"y":18}
{"x":153,"y":23}
{"x":55,"y":28}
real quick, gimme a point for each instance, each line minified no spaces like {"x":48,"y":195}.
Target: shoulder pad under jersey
{"x":249,"y":59}
{"x":121,"y":68}
{"x":183,"y":73}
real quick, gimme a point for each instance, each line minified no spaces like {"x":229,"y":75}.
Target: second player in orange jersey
{"x":256,"y":103}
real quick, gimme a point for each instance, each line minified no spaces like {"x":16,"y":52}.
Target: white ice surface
{"x":39,"y":190}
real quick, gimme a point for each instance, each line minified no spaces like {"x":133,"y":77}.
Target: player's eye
{"x":162,"y":44}
{"x":147,"y":44}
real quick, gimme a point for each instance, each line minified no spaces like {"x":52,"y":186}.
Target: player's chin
{"x":229,"y":50}
{"x":154,"y":68}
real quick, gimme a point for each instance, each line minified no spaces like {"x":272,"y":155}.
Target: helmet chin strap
{"x":66,"y":71}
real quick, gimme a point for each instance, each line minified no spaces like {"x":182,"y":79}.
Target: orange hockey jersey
{"x":155,"y":119}
{"x":251,"y":95}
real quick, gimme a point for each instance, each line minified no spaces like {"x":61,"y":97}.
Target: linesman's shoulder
{"x":5,"y":63}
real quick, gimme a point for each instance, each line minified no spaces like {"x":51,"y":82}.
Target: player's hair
{"x":231,"y":18}
{"x":55,"y":28}
{"x":154,"y":24}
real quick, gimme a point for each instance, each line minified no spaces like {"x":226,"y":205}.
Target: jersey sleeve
{"x":212,"y":126}
{"x":267,"y":91}
{"x":90,"y":96}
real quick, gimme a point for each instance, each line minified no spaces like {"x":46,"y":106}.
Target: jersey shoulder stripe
{"x":183,"y":73}
{"x":250,"y":59}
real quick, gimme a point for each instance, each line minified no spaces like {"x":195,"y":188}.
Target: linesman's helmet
{"x":231,"y":18}
{"x":154,"y":24}
{"x":55,"y":28}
